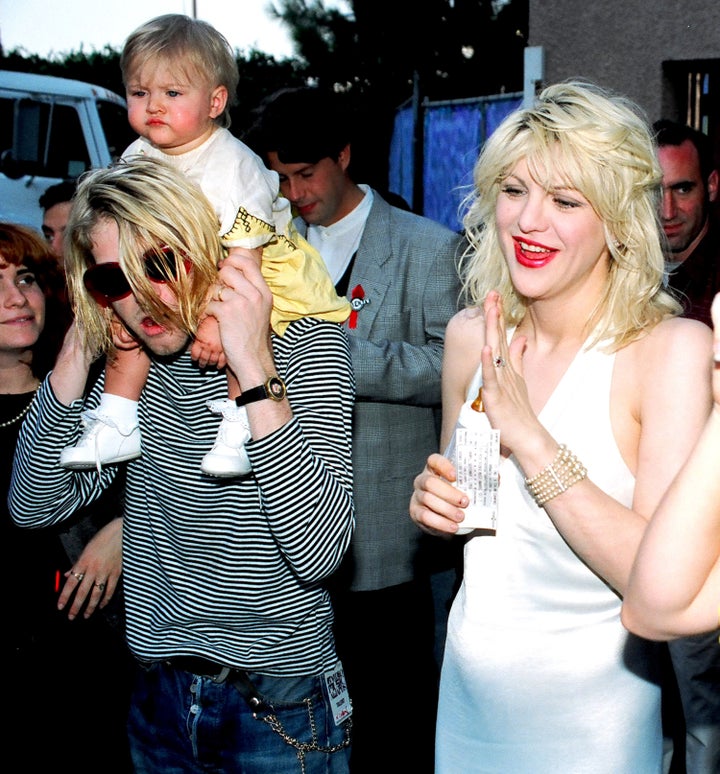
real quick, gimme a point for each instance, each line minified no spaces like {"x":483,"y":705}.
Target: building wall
{"x":622,"y":44}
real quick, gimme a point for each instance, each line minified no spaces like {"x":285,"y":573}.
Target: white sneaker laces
{"x":94,"y":421}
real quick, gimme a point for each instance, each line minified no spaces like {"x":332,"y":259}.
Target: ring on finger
{"x":101,"y":586}
{"x":78,"y":575}
{"x":499,"y":362}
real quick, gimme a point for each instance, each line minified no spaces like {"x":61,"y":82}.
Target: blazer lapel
{"x":369,"y":271}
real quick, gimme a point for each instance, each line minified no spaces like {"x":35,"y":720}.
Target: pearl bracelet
{"x":555,"y":478}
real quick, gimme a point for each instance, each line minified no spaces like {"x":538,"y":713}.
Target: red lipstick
{"x":531,"y":254}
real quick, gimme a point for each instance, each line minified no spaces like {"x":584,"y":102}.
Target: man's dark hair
{"x":669,"y":132}
{"x":302,"y":125}
{"x":56,"y":194}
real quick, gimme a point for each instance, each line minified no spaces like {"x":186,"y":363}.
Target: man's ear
{"x":713,"y":184}
{"x":343,"y":158}
{"x":218,"y":101}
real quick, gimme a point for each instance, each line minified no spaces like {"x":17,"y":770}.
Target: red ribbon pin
{"x":357,"y":302}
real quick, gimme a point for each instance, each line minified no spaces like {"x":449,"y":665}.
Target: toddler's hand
{"x":255,"y":253}
{"x":121,"y":336}
{"x":207,"y":349}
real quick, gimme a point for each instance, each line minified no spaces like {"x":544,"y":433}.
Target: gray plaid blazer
{"x":406,"y":267}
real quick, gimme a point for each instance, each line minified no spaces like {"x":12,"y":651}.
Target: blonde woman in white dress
{"x":599,"y":391}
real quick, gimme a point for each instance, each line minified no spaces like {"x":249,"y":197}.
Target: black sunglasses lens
{"x":160,"y":265}
{"x":106,"y":280}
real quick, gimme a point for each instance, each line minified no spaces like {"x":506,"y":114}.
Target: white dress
{"x":539,"y":674}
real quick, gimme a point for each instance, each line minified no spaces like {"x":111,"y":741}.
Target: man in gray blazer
{"x":400,"y":272}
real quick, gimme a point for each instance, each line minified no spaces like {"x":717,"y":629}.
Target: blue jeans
{"x":180,"y":723}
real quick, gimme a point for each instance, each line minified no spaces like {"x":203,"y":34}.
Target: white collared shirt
{"x":337,"y":243}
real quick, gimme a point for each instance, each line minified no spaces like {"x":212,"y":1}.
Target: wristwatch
{"x":274,"y":389}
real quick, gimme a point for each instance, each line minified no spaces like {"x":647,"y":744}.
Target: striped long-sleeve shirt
{"x":228,"y":569}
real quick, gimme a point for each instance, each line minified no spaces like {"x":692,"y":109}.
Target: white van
{"x":53,"y":129}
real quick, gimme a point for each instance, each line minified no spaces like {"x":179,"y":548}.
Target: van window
{"x":118,"y":133}
{"x":6,"y":123}
{"x":61,"y":150}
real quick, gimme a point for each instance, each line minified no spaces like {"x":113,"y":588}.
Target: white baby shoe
{"x":228,"y":456}
{"x":104,"y":441}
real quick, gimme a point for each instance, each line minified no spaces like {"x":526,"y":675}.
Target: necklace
{"x":22,"y":413}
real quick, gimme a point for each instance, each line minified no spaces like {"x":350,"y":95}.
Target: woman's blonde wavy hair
{"x":154,"y":206}
{"x":598,"y":143}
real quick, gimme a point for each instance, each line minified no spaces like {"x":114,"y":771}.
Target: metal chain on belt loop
{"x":303,"y":747}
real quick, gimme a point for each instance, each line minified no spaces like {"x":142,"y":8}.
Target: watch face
{"x":276,"y":388}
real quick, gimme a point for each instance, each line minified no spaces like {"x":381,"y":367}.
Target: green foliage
{"x":459,"y":48}
{"x":261,"y":75}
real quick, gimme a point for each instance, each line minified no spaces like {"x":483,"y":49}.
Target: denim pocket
{"x":297,"y":709}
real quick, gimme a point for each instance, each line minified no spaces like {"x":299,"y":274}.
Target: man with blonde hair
{"x":227,"y":611}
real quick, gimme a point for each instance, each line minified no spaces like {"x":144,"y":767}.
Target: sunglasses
{"x":106,"y":282}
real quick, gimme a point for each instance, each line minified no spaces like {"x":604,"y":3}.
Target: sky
{"x":47,"y":26}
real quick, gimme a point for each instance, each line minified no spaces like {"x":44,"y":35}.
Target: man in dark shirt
{"x":689,"y":189}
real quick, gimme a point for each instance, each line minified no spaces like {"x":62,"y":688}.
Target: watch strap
{"x":252,"y":395}
{"x":274,"y":389}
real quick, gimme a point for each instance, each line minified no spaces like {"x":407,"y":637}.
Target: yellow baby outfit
{"x":294,"y":272}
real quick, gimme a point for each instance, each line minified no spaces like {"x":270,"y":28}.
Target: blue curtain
{"x":453,"y":136}
{"x":400,"y":176}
